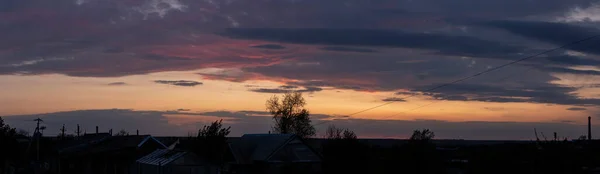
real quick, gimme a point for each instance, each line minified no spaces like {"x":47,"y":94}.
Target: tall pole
{"x":62,"y":130}
{"x":589,"y":128}
{"x":37,"y":135}
{"x":78,"y":131}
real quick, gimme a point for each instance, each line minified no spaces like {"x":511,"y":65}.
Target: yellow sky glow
{"x":53,"y":93}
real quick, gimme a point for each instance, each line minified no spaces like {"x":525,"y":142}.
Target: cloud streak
{"x":186,"y":83}
{"x":117,"y":84}
{"x":286,"y":89}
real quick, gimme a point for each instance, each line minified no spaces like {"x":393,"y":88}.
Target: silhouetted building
{"x":167,"y":161}
{"x":273,"y":153}
{"x":104,"y":154}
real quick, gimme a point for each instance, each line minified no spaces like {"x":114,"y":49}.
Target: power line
{"x":500,"y":79}
{"x":472,"y":76}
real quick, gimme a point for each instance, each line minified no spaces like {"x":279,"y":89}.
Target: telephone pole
{"x":38,"y":135}
{"x":78,"y":131}
{"x":62,"y":130}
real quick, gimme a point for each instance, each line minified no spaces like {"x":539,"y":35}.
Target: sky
{"x":168,"y":67}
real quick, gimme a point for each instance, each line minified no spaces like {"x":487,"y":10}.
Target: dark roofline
{"x":150,"y":137}
{"x":292,"y":137}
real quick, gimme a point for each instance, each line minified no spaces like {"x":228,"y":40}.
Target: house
{"x":273,"y":153}
{"x":104,"y":154}
{"x":168,"y":161}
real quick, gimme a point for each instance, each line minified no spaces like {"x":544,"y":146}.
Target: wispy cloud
{"x":187,"y":83}
{"x":393,"y":99}
{"x":117,"y":84}
{"x":286,"y":89}
{"x":576,"y":109}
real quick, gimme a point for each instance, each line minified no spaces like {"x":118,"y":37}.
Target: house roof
{"x":107,"y":144}
{"x":81,"y":142}
{"x":161,"y":157}
{"x":258,"y":147}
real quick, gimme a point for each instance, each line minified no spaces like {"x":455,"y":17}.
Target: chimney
{"x":110,"y":131}
{"x":96,"y":129}
{"x":137,"y":132}
{"x":589,"y":128}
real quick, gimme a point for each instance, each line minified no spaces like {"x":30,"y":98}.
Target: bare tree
{"x":290,"y":116}
{"x":212,"y":142}
{"x":422,"y":135}
{"x":122,"y":132}
{"x":338,"y":133}
{"x":342,"y":152}
{"x":214,"y":130}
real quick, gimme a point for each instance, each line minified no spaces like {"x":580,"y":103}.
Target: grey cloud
{"x":246,"y":114}
{"x":460,"y":130}
{"x":572,"y":60}
{"x":117,"y":84}
{"x":555,"y":33}
{"x":349,"y":49}
{"x":568,"y":70}
{"x":456,"y":45}
{"x":576,"y":109}
{"x":286,"y":90}
{"x":270,"y":46}
{"x":238,"y":114}
{"x":288,"y":87}
{"x":186,"y":83}
{"x":385,"y":73}
{"x":535,"y":94}
{"x":393,"y":99}
{"x":155,"y":57}
{"x":114,"y":50}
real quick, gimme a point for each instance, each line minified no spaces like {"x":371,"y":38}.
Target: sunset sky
{"x":167,"y":67}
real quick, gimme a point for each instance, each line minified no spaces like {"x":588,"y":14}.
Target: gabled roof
{"x":82,"y":142}
{"x":161,"y":157}
{"x":259,"y":147}
{"x":108,"y":144}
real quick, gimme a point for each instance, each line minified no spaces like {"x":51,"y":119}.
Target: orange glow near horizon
{"x":54,"y":93}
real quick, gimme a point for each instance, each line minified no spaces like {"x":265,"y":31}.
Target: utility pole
{"x":38,"y":135}
{"x":62,"y":130}
{"x":78,"y":131}
{"x":589,"y":128}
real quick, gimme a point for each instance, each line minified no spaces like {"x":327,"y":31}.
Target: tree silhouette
{"x":290,"y":116}
{"x":215,"y":130}
{"x":212,"y":142}
{"x":420,"y":153}
{"x":334,"y":133}
{"x":343,"y":153}
{"x":8,"y":143}
{"x":122,"y":132}
{"x":422,"y":135}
